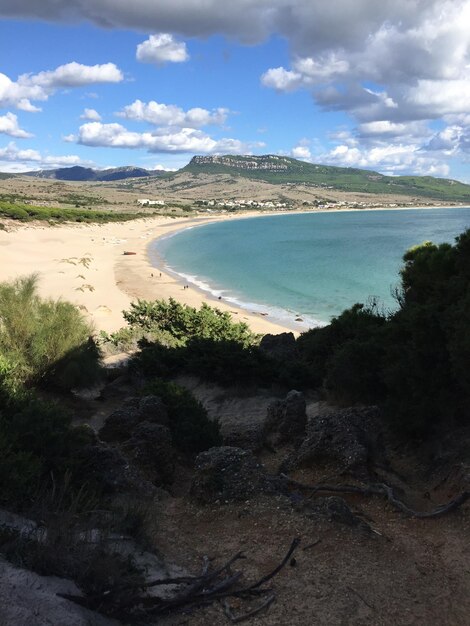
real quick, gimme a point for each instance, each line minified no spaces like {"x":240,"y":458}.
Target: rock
{"x":282,"y":346}
{"x":229,"y":474}
{"x":27,"y":599}
{"x":348,"y":438}
{"x":150,"y":448}
{"x":286,"y":419}
{"x":248,"y":436}
{"x":152,"y":409}
{"x":119,"y":425}
{"x":108,"y":467}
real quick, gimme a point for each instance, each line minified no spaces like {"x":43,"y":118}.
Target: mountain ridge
{"x":280,"y":170}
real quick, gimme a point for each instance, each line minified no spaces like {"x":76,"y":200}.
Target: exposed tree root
{"x":381,"y":489}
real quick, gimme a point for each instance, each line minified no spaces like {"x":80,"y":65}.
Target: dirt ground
{"x":404,"y":571}
{"x":409,"y":571}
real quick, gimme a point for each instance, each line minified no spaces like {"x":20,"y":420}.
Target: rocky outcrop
{"x":286,"y":419}
{"x":348,"y":438}
{"x":248,"y":436}
{"x":120,"y":425}
{"x":227,"y":474}
{"x":108,"y":467}
{"x":27,"y":599}
{"x":150,"y":449}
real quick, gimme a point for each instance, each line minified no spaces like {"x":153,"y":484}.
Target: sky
{"x":376,"y":84}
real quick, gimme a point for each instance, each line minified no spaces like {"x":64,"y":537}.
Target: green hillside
{"x":284,"y":170}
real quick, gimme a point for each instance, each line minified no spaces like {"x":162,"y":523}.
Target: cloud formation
{"x":38,"y":87}
{"x":9,"y":126}
{"x":172,"y":115}
{"x":160,"y":49}
{"x":160,"y":140}
{"x":13,"y":159}
{"x":91,"y":115}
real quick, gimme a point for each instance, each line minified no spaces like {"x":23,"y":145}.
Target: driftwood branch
{"x":381,"y":489}
{"x":192,"y":591}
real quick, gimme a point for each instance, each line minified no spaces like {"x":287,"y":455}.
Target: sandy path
{"x":85,"y":264}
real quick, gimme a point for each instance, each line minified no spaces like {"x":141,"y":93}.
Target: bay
{"x":307,"y":265}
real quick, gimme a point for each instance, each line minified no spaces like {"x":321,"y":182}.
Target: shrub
{"x":44,"y":341}
{"x":184,"y":323}
{"x":415,"y":361}
{"x":192,"y":430}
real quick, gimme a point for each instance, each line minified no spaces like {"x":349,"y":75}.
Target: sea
{"x":302,"y":269}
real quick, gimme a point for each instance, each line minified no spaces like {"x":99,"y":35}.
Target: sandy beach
{"x":86,"y":265}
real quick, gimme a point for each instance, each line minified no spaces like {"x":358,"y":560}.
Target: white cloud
{"x":160,"y":49}
{"x":389,"y":159}
{"x":42,"y":85}
{"x":91,"y":114}
{"x":281,"y":79}
{"x":9,"y":126}
{"x":172,"y":115}
{"x":13,"y":159}
{"x":161,"y":140}
{"x":301,"y":152}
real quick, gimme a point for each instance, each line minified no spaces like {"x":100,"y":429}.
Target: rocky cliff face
{"x":269,"y":162}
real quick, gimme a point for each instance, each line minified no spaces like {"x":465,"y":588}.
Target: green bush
{"x":414,"y":362}
{"x":184,"y":323}
{"x":36,"y":441}
{"x":191,"y":429}
{"x":44,"y":341}
{"x":317,"y":346}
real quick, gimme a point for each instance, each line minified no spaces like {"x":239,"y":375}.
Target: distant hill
{"x":78,"y":173}
{"x":284,"y":170}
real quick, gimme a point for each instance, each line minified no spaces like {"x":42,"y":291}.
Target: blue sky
{"x":384,"y":86}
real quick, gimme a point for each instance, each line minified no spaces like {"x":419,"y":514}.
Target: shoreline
{"x":86,"y":265}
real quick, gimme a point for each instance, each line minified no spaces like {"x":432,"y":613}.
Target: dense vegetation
{"x":43,"y":344}
{"x":175,"y":338}
{"x":341,"y":178}
{"x":414,"y":362}
{"x":27,"y":213}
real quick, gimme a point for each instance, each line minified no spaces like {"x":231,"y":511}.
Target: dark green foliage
{"x":191,"y":429}
{"x":206,"y":342}
{"x":415,"y":362}
{"x":36,"y":441}
{"x":318,"y":345}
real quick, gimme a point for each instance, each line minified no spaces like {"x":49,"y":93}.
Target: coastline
{"x":86,"y":265}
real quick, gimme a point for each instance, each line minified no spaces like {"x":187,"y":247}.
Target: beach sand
{"x":86,"y":265}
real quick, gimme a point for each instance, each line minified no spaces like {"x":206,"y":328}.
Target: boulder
{"x":227,"y":474}
{"x":282,"y":346}
{"x":248,"y":436}
{"x":348,"y":438}
{"x":286,"y":419}
{"x":120,"y":425}
{"x":152,"y":409}
{"x":150,"y":449}
{"x":108,"y":467}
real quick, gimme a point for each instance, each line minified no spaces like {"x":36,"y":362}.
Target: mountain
{"x":78,"y":173}
{"x":284,"y":170}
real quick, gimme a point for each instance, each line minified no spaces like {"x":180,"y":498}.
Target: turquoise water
{"x":309,"y":265}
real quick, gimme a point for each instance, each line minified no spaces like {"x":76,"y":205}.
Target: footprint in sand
{"x":102,"y":310}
